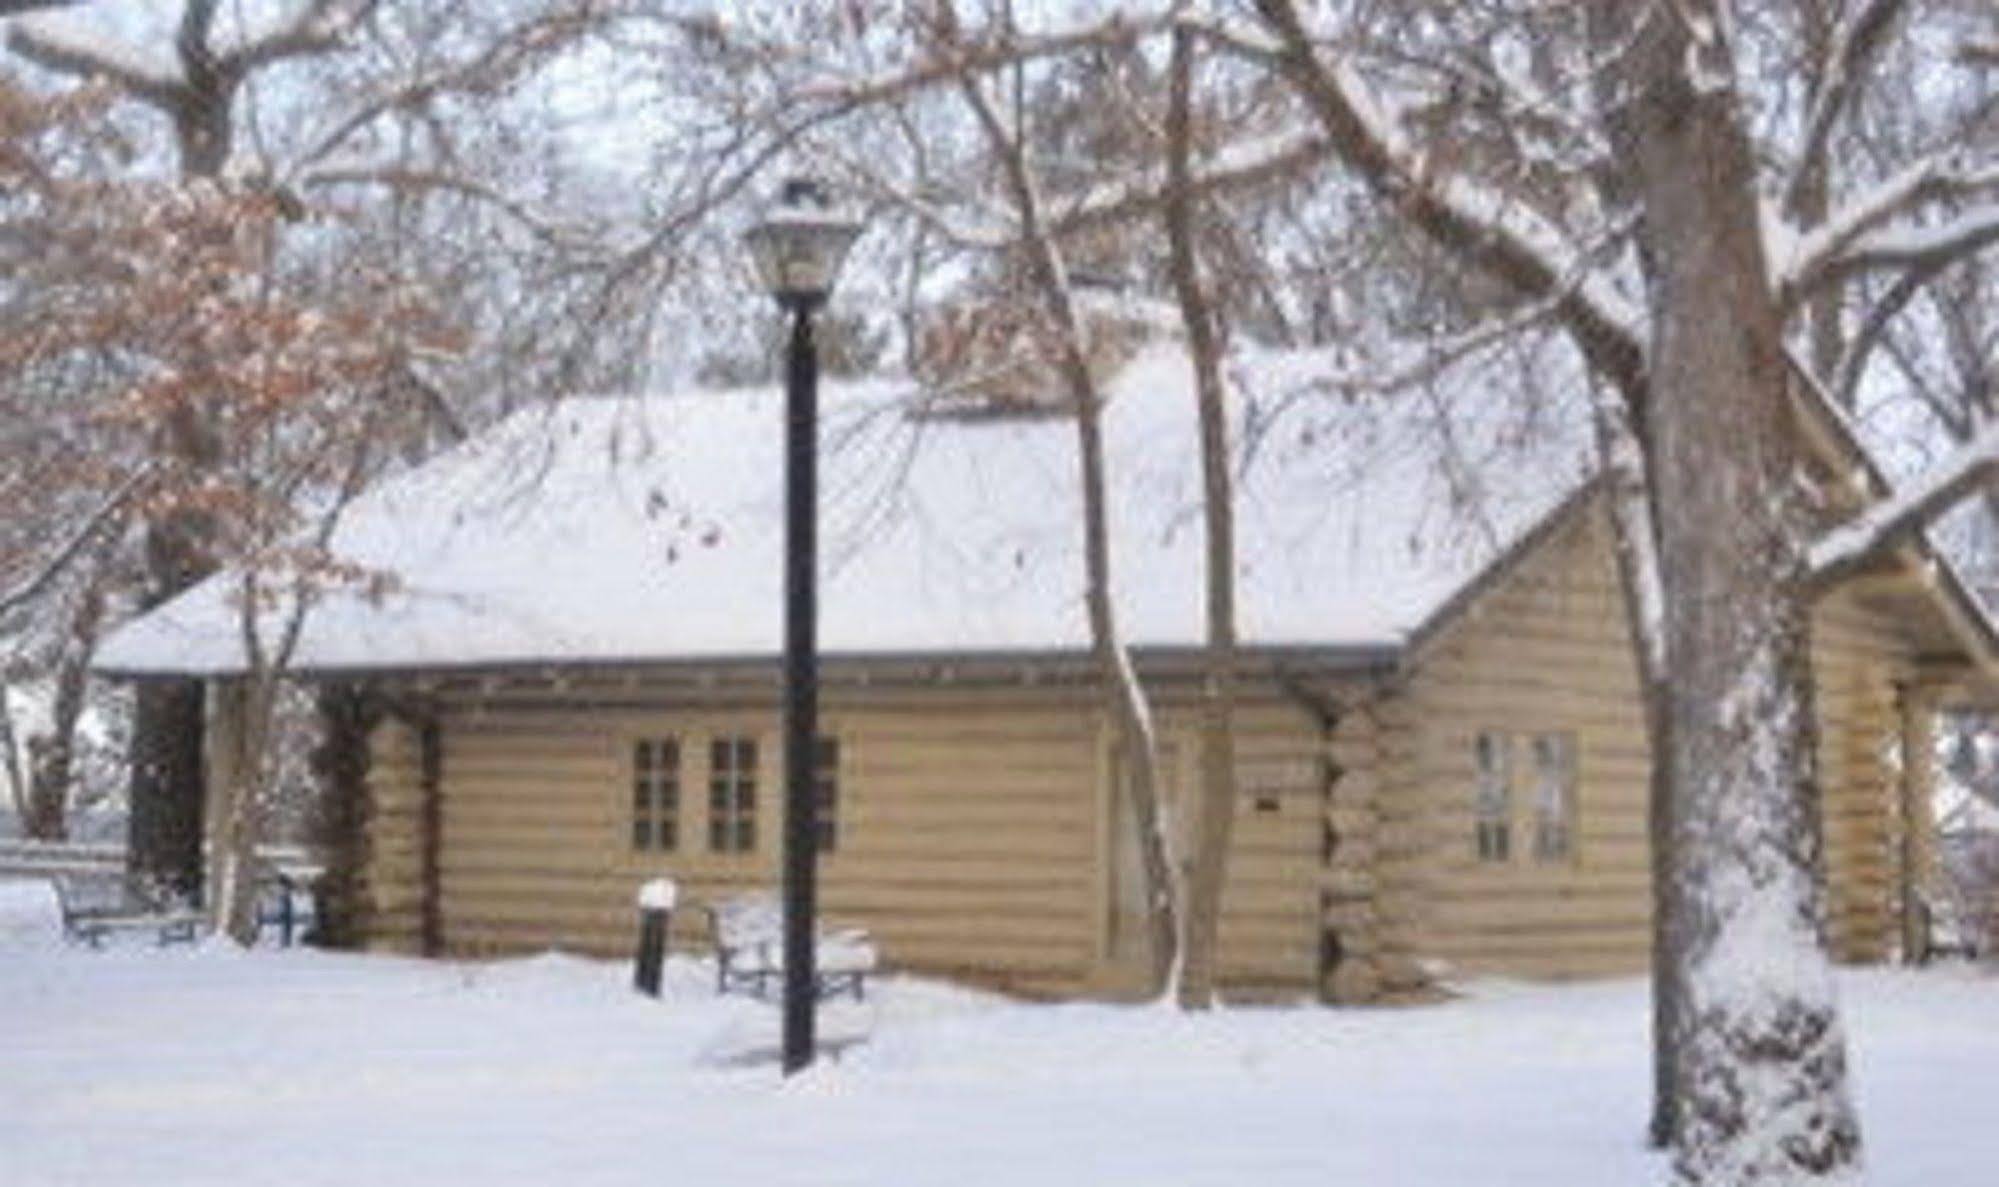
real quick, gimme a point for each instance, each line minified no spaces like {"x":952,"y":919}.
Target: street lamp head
{"x":800,"y":244}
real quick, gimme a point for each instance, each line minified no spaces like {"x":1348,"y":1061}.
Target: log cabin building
{"x":571,"y":685}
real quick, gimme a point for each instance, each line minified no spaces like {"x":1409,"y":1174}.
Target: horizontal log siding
{"x":1546,"y":650}
{"x":964,"y":834}
{"x":1272,"y":918}
{"x":971,"y":831}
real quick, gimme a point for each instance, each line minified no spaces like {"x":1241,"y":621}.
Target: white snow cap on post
{"x":660,"y":894}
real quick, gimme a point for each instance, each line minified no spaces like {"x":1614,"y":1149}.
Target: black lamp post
{"x":798,"y":248}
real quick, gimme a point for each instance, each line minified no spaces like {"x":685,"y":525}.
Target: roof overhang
{"x":1281,"y":661}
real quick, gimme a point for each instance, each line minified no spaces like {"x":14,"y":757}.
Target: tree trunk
{"x":1125,"y":703}
{"x":1627,"y":474}
{"x":52,"y":756}
{"x":1763,"y":1085}
{"x":168,"y":791}
{"x":241,"y":722}
{"x":1217,"y":784}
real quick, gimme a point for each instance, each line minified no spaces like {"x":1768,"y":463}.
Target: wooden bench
{"x":94,"y":906}
{"x":748,"y":932}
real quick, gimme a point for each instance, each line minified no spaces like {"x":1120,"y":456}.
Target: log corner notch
{"x":1346,"y":972}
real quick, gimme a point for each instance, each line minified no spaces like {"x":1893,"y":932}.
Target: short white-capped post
{"x":656,"y":902}
{"x":798,"y":248}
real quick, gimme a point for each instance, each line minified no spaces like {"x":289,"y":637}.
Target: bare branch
{"x":1874,"y":326}
{"x":114,"y":505}
{"x":409,"y":180}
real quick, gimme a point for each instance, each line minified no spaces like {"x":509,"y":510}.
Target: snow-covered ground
{"x":207,"y":1065}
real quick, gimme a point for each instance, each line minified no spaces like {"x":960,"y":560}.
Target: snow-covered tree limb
{"x":946,"y":63}
{"x":315,"y":27}
{"x":1504,"y":237}
{"x":1893,"y":520}
{"x":1928,"y":247}
{"x":1244,"y":166}
{"x":58,"y":43}
{"x":1860,"y":236}
{"x":1854,"y":43}
{"x":17,"y":7}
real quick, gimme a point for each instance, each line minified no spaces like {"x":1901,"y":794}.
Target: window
{"x":826,"y":791}
{"x":1492,"y":805}
{"x":656,"y":795}
{"x":1554,"y":796}
{"x":732,"y":795}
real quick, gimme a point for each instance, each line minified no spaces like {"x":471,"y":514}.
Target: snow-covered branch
{"x":1856,"y":40}
{"x":58,"y":42}
{"x":314,"y":27}
{"x":1859,"y":235}
{"x":1628,"y":488}
{"x":1242,"y":166}
{"x":17,"y":7}
{"x":1505,"y":237}
{"x":950,"y":60}
{"x":1852,"y":544}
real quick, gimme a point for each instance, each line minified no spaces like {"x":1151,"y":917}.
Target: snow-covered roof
{"x":612,"y":530}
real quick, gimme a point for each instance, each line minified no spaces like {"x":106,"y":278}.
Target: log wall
{"x":1546,"y":650}
{"x":979,"y":826}
{"x":975,"y":830}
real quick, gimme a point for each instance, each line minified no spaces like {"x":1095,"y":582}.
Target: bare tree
{"x":1069,"y":335}
{"x":1205,"y":348}
{"x":388,"y":117}
{"x":1435,"y":116}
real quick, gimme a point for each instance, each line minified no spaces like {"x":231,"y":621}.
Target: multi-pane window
{"x":656,"y":794}
{"x":732,"y":795}
{"x":1554,"y":796}
{"x":826,"y":791}
{"x":1492,"y":800}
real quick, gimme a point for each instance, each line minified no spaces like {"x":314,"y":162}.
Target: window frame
{"x":1555,"y":787}
{"x":658,"y":793}
{"x":1492,"y":797}
{"x":733,"y":787}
